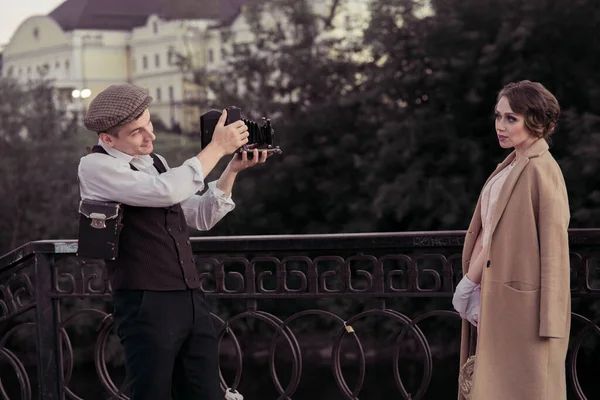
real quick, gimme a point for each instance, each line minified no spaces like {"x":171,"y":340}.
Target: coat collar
{"x":538,"y":148}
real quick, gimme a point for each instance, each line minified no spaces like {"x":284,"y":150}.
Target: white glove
{"x":474,"y":306}
{"x":463,"y":291}
{"x":233,"y":395}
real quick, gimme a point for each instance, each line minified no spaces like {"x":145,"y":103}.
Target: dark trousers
{"x":170,"y":345}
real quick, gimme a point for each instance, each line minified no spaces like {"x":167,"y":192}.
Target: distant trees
{"x":386,"y":128}
{"x":38,"y":178}
{"x":394,"y":131}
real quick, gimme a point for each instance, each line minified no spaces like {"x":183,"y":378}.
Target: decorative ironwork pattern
{"x":17,"y":295}
{"x":328,"y":275}
{"x":44,"y":280}
{"x":77,"y":276}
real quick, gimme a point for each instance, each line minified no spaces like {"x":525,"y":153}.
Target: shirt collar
{"x":119,"y":155}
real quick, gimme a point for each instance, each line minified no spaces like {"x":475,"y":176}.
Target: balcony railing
{"x":331,"y":317}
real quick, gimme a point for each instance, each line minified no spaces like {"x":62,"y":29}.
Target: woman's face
{"x":510,"y":126}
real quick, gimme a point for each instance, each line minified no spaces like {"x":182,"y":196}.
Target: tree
{"x":444,"y":71}
{"x":38,"y":167}
{"x":296,"y":73}
{"x":393,"y":131}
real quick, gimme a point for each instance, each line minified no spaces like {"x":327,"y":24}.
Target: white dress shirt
{"x":110,"y":178}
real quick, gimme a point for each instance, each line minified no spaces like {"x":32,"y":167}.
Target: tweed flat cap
{"x":116,"y":105}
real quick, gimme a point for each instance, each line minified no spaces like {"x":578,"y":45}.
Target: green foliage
{"x":293,"y":76}
{"x":38,"y":179}
{"x":403,"y":139}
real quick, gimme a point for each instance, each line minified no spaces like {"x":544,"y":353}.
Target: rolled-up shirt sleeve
{"x":104,"y":178}
{"x":202,"y":212}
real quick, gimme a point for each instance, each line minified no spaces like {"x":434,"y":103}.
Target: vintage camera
{"x":261,"y":134}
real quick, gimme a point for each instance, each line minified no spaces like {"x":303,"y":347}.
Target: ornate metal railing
{"x":326,"y":316}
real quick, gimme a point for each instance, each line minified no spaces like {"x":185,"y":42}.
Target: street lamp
{"x":79,"y":95}
{"x":83,"y":94}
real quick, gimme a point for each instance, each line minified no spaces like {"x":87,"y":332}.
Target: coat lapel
{"x":535,"y":150}
{"x":507,"y":188}
{"x":476,"y":223}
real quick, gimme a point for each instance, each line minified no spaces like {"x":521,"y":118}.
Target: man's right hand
{"x":229,"y":138}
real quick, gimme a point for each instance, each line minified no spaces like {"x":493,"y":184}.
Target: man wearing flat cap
{"x":160,"y":313}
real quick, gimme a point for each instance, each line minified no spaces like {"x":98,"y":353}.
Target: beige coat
{"x":525,"y":317}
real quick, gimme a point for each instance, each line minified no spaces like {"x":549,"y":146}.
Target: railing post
{"x":47,"y":329}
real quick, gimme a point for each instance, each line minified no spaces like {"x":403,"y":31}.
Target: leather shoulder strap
{"x":160,"y":167}
{"x":98,"y":149}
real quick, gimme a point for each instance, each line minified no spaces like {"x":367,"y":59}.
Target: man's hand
{"x":231,"y":137}
{"x":240,"y":162}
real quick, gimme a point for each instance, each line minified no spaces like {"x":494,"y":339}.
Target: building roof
{"x":233,"y":8}
{"x":128,"y":14}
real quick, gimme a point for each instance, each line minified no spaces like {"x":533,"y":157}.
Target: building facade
{"x":84,"y":46}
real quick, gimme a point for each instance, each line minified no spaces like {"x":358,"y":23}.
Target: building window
{"x":36,"y":33}
{"x":67,"y":64}
{"x":28,"y":70}
{"x":133,"y":65}
{"x":57,"y":65}
{"x":157,"y":60}
{"x":155,"y":27}
{"x":170,"y":57}
{"x":211,"y":56}
{"x":158,"y":94}
{"x":171,"y":93}
{"x":145,"y":62}
{"x":10,"y":71}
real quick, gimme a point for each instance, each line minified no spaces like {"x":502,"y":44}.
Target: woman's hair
{"x":536,"y":103}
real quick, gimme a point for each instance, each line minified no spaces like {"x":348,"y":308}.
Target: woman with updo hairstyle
{"x":514,"y":296}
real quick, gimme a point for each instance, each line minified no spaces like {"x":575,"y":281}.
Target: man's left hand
{"x":240,"y":162}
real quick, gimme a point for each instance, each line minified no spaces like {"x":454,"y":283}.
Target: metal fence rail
{"x":296,"y":305}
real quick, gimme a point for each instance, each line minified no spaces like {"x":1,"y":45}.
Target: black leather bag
{"x":99,"y":229}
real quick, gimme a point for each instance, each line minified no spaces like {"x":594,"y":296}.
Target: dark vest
{"x":154,"y":247}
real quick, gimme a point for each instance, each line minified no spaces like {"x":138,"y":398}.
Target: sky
{"x":14,"y":12}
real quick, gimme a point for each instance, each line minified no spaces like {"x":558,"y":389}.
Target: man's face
{"x":134,"y":138}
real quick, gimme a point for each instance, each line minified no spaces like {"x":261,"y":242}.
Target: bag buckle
{"x":98,"y":220}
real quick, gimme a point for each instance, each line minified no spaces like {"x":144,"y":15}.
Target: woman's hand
{"x":462,"y":294}
{"x":474,"y":306}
